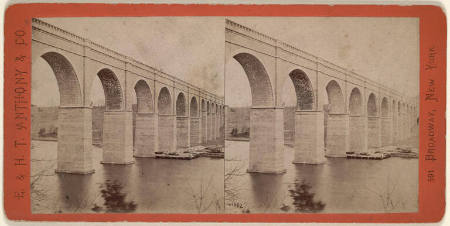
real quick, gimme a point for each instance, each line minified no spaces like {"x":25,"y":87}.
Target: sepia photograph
{"x":224,"y":113}
{"x":127,"y":115}
{"x":322,"y":114}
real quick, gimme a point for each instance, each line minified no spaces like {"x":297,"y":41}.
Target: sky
{"x":385,"y":50}
{"x":190,"y":48}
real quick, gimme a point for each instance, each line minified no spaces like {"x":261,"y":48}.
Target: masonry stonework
{"x":74,"y":153}
{"x":386,"y":131}
{"x":373,"y":131}
{"x":358,"y":134}
{"x":182,"y":131}
{"x":266,"y":141}
{"x":309,"y":137}
{"x":195,"y":131}
{"x":167,"y":136}
{"x":337,"y":143}
{"x":145,"y":143}
{"x":117,"y":137}
{"x":204,"y":127}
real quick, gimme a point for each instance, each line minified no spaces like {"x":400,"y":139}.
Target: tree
{"x":304,"y":199}
{"x":115,"y":198}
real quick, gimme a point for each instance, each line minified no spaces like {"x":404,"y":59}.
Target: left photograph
{"x":127,"y":115}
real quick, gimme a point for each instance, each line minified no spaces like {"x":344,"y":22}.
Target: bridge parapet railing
{"x":54,"y":29}
{"x":231,"y":25}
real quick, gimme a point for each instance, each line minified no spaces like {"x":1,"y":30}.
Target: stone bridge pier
{"x":337,"y":110}
{"x":167,"y":112}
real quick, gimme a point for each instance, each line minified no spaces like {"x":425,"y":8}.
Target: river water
{"x":339,"y":186}
{"x":147,"y":186}
{"x":197,"y":186}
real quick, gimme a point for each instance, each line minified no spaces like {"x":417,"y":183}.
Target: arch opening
{"x":68,"y":84}
{"x":384,"y":107}
{"x":181,"y":105}
{"x":355,"y":103}
{"x":111,"y":88}
{"x":303,"y":90}
{"x":335,"y":97}
{"x":260,"y":86}
{"x":164,"y":101}
{"x":372,"y":105}
{"x":193,"y":107}
{"x":143,"y":96}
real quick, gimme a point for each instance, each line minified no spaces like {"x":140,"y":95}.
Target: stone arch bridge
{"x":171,"y":114}
{"x":360,"y":114}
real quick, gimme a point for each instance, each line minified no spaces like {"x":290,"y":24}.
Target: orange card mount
{"x":161,"y":131}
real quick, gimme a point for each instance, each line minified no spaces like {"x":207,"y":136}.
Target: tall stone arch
{"x":357,"y":122}
{"x":336,"y":122}
{"x":266,"y":121}
{"x":145,"y":130}
{"x":260,"y":86}
{"x":373,"y":122}
{"x":303,"y":89}
{"x":117,"y":123}
{"x":194,"y":125}
{"x":182,"y":124}
{"x":309,"y":124}
{"x":112,"y":89}
{"x":74,"y":149}
{"x":68,"y":84}
{"x":166,"y":122}
{"x":204,"y":120}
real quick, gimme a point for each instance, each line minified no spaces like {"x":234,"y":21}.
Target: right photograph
{"x":321,"y":115}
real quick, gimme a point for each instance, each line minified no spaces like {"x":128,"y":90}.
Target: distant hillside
{"x":44,"y":123}
{"x":238,"y":124}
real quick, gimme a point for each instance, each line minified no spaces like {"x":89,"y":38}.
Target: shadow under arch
{"x":335,"y":97}
{"x":144,"y":97}
{"x":260,"y":86}
{"x":193,"y":112}
{"x":181,"y":105}
{"x":164,"y":101}
{"x":303,"y":89}
{"x":68,"y":84}
{"x":111,"y":88}
{"x":355,"y":103}
{"x":372,"y":109}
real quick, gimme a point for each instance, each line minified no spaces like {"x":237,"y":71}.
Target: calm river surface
{"x":340,"y":185}
{"x":149,"y":185}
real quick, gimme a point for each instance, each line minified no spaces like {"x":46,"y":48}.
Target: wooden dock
{"x":376,"y":156}
{"x":215,"y":151}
